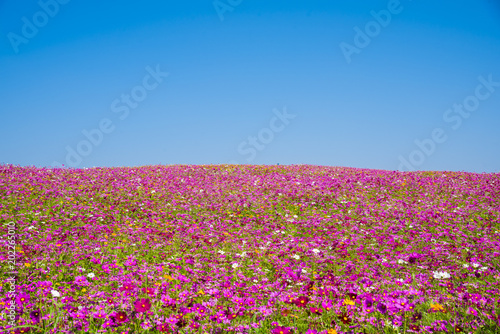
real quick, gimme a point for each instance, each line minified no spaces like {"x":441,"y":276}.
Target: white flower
{"x":475,"y":265}
{"x":221,"y":252}
{"x":440,"y":274}
{"x":234,"y":265}
{"x":315,"y":251}
{"x":91,"y":275}
{"x":31,"y":227}
{"x":55,"y":293}
{"x":400,"y":261}
{"x":296,"y":257}
{"x":466,"y":265}
{"x":483,"y":268}
{"x":304,"y":271}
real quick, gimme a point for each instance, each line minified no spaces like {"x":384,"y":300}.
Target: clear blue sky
{"x":352,"y":85}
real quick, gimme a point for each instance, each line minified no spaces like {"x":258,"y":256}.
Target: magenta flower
{"x":99,"y":315}
{"x":416,"y":316}
{"x":281,"y":330}
{"x":472,"y":311}
{"x":121,"y":317}
{"x":127,"y":287}
{"x":22,"y":298}
{"x":231,"y":316}
{"x":200,"y":309}
{"x":368,"y":303}
{"x":142,"y":305}
{"x":194,"y":325}
{"x":164,"y":328}
{"x":81,"y":281}
{"x":130,"y":262}
{"x":301,"y":301}
{"x":23,"y":330}
{"x":35,"y":316}
{"x":250,"y":302}
{"x":402,"y":304}
{"x":294,"y":274}
{"x":352,"y":296}
{"x":315,"y":310}
{"x":149,"y":291}
{"x":381,"y":307}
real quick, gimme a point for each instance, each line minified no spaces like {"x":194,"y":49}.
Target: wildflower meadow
{"x":248,"y":249}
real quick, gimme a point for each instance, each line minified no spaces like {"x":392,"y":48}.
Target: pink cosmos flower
{"x":301,"y":301}
{"x":22,"y":298}
{"x":472,"y":311}
{"x":281,"y":330}
{"x":81,"y":281}
{"x":149,"y":291}
{"x":142,"y":305}
{"x":315,"y":310}
{"x":164,"y":328}
{"x":35,"y":316}
{"x":121,"y":317}
{"x":127,"y":287}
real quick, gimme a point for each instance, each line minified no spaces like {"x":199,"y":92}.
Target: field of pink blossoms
{"x":248,"y":249}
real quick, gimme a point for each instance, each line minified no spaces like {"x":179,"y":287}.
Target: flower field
{"x":248,"y":249}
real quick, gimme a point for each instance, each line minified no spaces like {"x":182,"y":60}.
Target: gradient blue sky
{"x":230,"y":73}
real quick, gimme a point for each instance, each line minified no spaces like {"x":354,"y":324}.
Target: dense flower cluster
{"x":251,"y":249}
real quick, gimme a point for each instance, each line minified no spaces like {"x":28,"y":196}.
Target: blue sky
{"x":407,"y":85}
